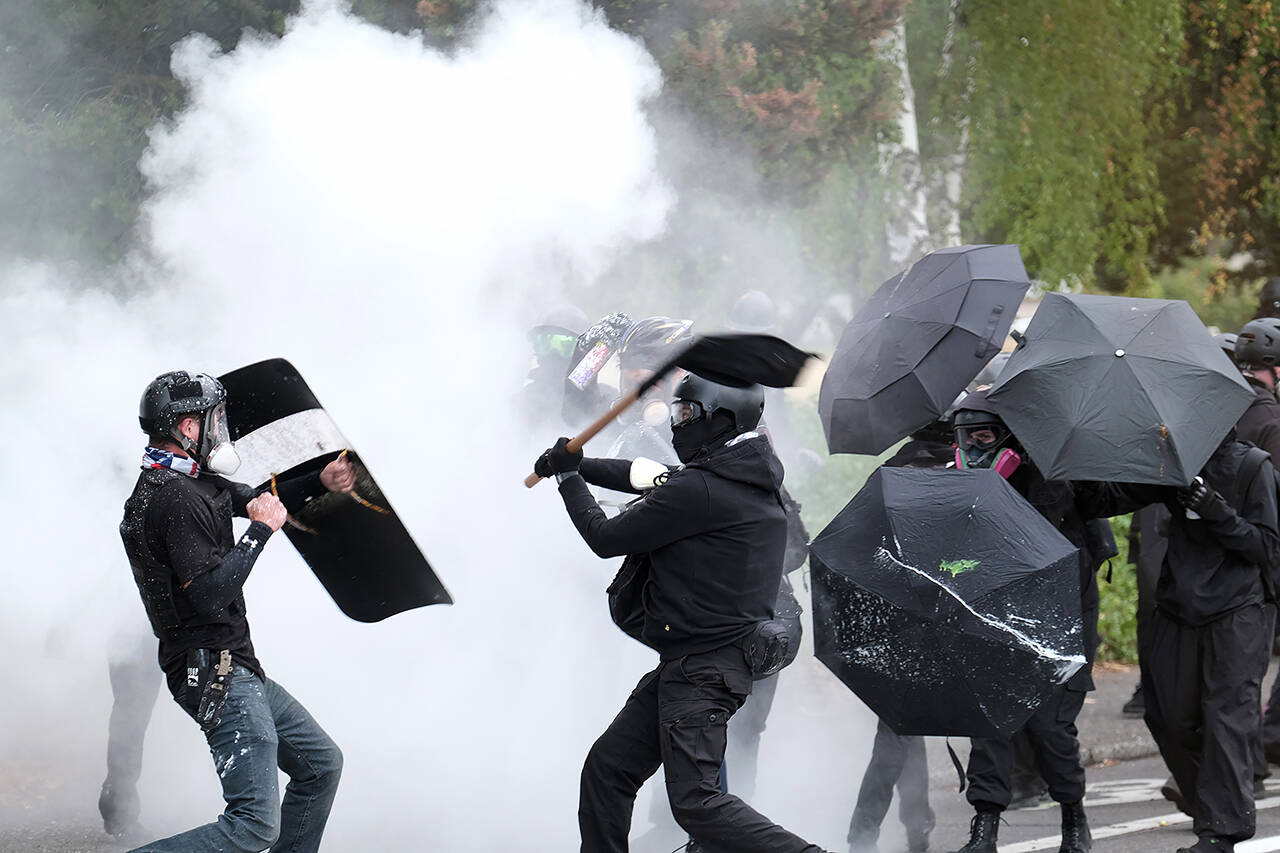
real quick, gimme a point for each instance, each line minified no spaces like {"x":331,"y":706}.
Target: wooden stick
{"x":575,"y":444}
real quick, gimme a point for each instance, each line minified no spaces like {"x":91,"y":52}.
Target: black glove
{"x":557,"y":460}
{"x":1202,"y":500}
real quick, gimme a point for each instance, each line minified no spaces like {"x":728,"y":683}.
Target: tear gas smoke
{"x":388,"y":218}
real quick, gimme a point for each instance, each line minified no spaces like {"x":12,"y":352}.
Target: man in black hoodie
{"x":714,"y":531}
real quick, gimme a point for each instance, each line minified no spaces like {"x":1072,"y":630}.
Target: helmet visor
{"x":685,"y":412}
{"x":554,"y":344}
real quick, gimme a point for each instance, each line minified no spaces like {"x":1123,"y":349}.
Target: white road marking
{"x":1259,"y":845}
{"x":1146,"y":823}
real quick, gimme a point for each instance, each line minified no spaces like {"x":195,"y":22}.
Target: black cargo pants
{"x":677,"y":718}
{"x":1202,"y":687}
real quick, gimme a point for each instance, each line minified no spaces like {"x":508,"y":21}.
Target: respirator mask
{"x":216,"y":452}
{"x":983,"y":445}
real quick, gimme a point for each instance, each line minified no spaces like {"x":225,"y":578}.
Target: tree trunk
{"x":906,"y":225}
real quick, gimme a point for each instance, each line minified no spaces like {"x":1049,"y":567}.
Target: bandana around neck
{"x":155,"y":458}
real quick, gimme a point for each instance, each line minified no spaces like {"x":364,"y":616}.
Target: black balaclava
{"x":698,"y":438}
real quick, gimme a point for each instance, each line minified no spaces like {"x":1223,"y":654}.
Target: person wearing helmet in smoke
{"x":648,"y":346}
{"x":190,"y":569}
{"x":714,"y":532}
{"x":543,"y":400}
{"x":984,"y":441}
{"x":754,"y":312}
{"x":135,"y":685}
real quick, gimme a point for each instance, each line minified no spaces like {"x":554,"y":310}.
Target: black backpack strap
{"x":1253,"y":459}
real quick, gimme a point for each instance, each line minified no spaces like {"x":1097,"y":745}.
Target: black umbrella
{"x":946,"y":602}
{"x":917,"y":342}
{"x":1119,"y":389}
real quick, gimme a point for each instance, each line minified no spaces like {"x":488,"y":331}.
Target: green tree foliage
{"x":80,"y":83}
{"x":1060,"y":104}
{"x":1221,"y":168}
{"x":1118,"y":594}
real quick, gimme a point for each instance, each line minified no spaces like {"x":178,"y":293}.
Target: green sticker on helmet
{"x":958,"y":567}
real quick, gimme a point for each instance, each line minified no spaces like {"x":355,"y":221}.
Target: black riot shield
{"x":354,"y":542}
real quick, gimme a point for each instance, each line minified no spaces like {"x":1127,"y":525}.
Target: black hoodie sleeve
{"x":612,"y":474}
{"x":1103,"y":500}
{"x":1251,"y":532}
{"x":188,"y":531}
{"x":673,"y":511}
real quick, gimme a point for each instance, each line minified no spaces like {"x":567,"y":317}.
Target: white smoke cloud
{"x":388,"y":218}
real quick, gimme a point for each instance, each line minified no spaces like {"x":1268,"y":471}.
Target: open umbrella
{"x":946,"y":602}
{"x":1119,"y":389}
{"x":913,"y":347}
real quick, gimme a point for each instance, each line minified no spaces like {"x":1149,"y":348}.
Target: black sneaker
{"x":1136,"y":706}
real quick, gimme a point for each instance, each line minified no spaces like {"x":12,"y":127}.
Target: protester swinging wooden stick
{"x":727,"y":359}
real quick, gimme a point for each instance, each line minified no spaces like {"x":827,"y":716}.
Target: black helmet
{"x":172,"y":396}
{"x":556,"y":334}
{"x":565,"y":318}
{"x":753,"y":312}
{"x":975,"y":415}
{"x":1258,"y":344}
{"x":1227,"y":340}
{"x":651,"y":343}
{"x":696,"y":397}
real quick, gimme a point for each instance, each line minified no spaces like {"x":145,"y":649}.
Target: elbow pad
{"x":645,"y":473}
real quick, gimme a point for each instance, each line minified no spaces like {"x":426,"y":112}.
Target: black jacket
{"x":1260,"y":423}
{"x":715,"y":533}
{"x":1214,"y":564}
{"x":189,"y":566}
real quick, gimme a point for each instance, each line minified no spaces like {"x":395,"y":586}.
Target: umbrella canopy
{"x":1119,"y":389}
{"x":917,"y":342}
{"x":946,"y":602}
{"x":738,"y":359}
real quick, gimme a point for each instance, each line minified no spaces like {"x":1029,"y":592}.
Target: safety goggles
{"x":981,"y":436}
{"x":554,"y":344}
{"x":685,"y":412}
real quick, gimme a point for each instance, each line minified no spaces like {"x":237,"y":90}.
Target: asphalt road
{"x":55,"y":813}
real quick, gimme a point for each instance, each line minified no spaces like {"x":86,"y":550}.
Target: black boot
{"x":1075,"y":829}
{"x":982,"y":833}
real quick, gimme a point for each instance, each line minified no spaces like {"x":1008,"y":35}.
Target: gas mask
{"x":216,"y":452}
{"x":983,"y":445}
{"x":694,"y":433}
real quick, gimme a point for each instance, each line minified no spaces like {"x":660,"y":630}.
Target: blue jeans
{"x":263,"y":726}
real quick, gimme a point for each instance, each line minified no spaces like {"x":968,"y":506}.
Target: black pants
{"x":1202,"y":687}
{"x":676,"y":718}
{"x":135,"y":683}
{"x":895,"y":760}
{"x":1052,"y":733}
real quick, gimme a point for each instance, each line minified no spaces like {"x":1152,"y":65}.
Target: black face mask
{"x":700,"y":437}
